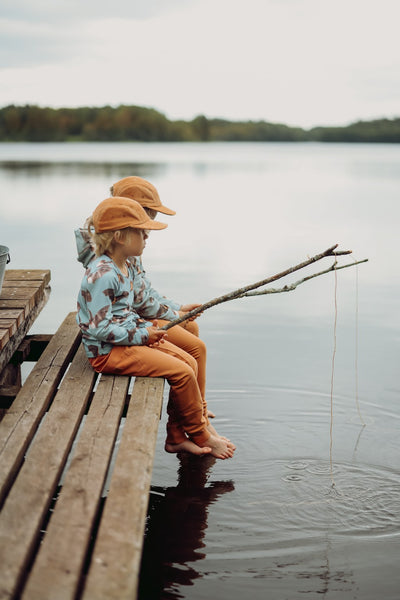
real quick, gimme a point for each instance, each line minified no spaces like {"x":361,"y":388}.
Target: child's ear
{"x":117,"y":237}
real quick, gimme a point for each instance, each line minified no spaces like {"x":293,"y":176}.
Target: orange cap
{"x":117,"y":213}
{"x":142,"y":191}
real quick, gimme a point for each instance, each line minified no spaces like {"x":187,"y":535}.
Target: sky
{"x":299,"y":62}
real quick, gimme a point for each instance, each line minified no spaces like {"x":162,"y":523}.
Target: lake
{"x":267,"y":523}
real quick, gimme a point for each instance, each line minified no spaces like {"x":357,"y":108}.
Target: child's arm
{"x":156,"y":336}
{"x":149,"y":303}
{"x":84,"y":246}
{"x":185,"y":308}
{"x":100,"y":291}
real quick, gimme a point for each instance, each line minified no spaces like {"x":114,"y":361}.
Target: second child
{"x":117,"y":340}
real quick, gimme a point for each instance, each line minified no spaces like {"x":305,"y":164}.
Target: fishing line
{"x":332,"y":377}
{"x":356,"y":351}
{"x":333,"y":364}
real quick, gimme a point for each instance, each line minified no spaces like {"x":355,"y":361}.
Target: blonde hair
{"x":104,"y":242}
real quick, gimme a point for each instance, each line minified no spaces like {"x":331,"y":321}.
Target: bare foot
{"x":187,"y":446}
{"x":219,"y":447}
{"x":214,"y":432}
{"x":210,"y":414}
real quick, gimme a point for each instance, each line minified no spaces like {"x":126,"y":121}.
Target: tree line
{"x":136,"y":123}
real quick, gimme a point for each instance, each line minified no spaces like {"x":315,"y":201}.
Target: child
{"x":149,"y":303}
{"x":146,"y":194}
{"x":117,"y":340}
{"x":186,"y":335}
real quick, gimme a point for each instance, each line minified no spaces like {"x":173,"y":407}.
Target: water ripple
{"x":299,"y":496}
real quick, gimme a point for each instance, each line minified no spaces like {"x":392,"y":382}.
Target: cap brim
{"x":165,"y":210}
{"x":150,"y":224}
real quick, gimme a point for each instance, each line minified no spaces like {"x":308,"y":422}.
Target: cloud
{"x":42,"y":32}
{"x":26,"y":44}
{"x":301,"y":62}
{"x":68,"y":11}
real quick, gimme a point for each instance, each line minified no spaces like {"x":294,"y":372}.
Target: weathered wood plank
{"x":39,"y":475}
{"x":19,"y":424}
{"x":27,"y":275}
{"x":17,"y":314}
{"x":115,"y":564}
{"x":16,"y":283}
{"x":8,"y":324}
{"x":6,"y":303}
{"x":31,"y":294}
{"x":14,"y":342}
{"x":4,"y":338}
{"x":59,"y":564}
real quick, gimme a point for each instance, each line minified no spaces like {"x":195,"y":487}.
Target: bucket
{"x":4,"y":260}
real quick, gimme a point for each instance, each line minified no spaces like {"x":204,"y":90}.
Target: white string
{"x":356,"y":351}
{"x":332,"y":378}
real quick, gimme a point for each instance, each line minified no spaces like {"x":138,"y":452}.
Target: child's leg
{"x":195,"y":347}
{"x":185,"y":407}
{"x":179,"y":368}
{"x":191,"y":327}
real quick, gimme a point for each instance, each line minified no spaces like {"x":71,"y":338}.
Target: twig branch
{"x":293,"y":286}
{"x":240,"y":292}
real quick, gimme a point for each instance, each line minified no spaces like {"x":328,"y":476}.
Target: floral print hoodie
{"x":105,"y":315}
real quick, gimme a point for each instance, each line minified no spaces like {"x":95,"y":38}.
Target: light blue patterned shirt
{"x":105,"y":314}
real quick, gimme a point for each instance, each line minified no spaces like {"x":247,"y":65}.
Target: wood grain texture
{"x":26,"y":506}
{"x":30,"y":295}
{"x":59,"y":564}
{"x":19,"y":424}
{"x":115,"y":564}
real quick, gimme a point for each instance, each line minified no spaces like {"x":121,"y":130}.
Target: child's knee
{"x":202,"y":348}
{"x":192,"y":364}
{"x":188,"y":371}
{"x":192,"y":327}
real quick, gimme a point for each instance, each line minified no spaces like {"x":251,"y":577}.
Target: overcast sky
{"x":300,"y":62}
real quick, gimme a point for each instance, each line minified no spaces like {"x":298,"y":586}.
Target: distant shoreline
{"x":31,"y":123}
{"x":187,"y":142}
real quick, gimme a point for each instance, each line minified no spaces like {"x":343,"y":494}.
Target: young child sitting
{"x":117,"y":340}
{"x":148,"y":302}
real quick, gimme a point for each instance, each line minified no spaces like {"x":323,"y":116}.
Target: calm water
{"x":266,"y":524}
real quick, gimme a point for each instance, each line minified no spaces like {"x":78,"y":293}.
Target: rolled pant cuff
{"x":200,"y":438}
{"x":175,"y":438}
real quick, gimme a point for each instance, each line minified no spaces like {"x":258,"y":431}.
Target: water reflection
{"x":283,"y":531}
{"x":115,"y":170}
{"x":176,"y":527}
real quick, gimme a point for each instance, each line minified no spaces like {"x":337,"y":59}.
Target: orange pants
{"x":185,"y":405}
{"x":186,"y":336}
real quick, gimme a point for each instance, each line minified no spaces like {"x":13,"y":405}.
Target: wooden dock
{"x":69,"y":432}
{"x":23,"y":296}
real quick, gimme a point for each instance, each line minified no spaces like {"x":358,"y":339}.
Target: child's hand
{"x":185,"y":308}
{"x":156,"y":336}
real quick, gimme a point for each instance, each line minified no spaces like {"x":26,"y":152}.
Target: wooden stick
{"x":240,"y":292}
{"x":293,"y":286}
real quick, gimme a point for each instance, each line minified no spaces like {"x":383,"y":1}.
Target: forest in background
{"x":32,"y":123}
